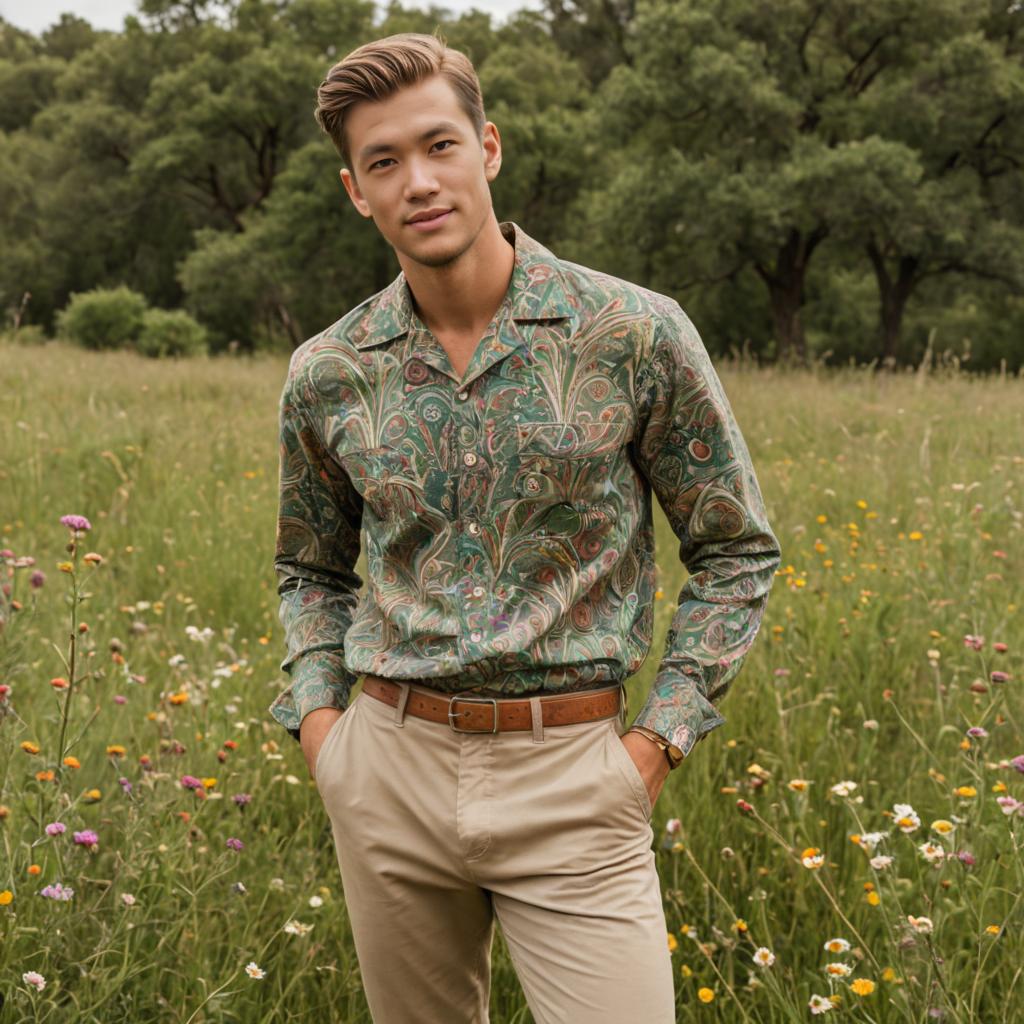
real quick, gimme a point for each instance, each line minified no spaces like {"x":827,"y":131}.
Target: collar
{"x":536,"y":292}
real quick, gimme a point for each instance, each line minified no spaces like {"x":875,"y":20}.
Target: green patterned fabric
{"x":507,"y":514}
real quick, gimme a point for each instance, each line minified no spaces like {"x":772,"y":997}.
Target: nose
{"x":420,"y":181}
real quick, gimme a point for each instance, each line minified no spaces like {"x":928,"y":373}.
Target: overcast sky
{"x":36,"y":15}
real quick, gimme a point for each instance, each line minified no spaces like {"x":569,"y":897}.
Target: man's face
{"x":421,"y":172}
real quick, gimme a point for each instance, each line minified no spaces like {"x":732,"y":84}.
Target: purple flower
{"x":966,"y":858}
{"x":191,"y":782}
{"x":125,"y":784}
{"x":37,"y":579}
{"x":120,"y":698}
{"x":57,"y":892}
{"x":999,"y":676}
{"x":977,"y":732}
{"x":87,"y":838}
{"x":234,"y":844}
{"x":242,"y":798}
{"x":56,"y":828}
{"x":1018,"y":762}
{"x":1008,"y":805}
{"x":76,"y":523}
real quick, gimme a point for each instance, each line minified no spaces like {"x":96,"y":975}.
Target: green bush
{"x":103,"y":317}
{"x":171,"y":332}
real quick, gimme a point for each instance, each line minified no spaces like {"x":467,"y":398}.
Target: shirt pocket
{"x":573,"y":465}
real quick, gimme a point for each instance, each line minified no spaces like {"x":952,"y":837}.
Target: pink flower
{"x":1018,"y":762}
{"x":1000,"y":647}
{"x":87,"y":838}
{"x":76,"y":523}
{"x":974,"y":642}
{"x":234,"y":844}
{"x":56,"y":828}
{"x":998,"y":676}
{"x":191,"y":782}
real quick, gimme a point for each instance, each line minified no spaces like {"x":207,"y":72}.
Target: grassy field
{"x":893,"y":629}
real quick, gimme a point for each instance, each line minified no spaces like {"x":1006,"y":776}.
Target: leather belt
{"x":474,"y":713}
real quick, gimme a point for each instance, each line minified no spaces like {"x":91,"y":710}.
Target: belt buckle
{"x":452,"y":715}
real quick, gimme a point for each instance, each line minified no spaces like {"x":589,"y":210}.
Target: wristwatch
{"x":673,"y":754}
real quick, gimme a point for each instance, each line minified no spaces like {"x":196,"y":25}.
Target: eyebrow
{"x":442,"y":128}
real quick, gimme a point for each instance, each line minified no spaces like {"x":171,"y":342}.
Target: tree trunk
{"x":785,"y":283}
{"x":892,"y":298}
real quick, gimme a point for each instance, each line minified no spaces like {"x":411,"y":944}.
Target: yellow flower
{"x":686,"y":971}
{"x":942,"y":826}
{"x":659,"y":594}
{"x":992,"y":929}
{"x":999,"y":787}
{"x":822,"y":519}
{"x":965,"y":791}
{"x":178,"y":698}
{"x":705,"y":995}
{"x":798,"y":785}
{"x":862,"y":986}
{"x":888,"y":974}
{"x":92,"y":794}
{"x":29,"y":747}
{"x":65,"y":567}
{"x":861,"y":503}
{"x":820,"y":547}
{"x":873,"y":899}
{"x":209,"y":783}
{"x":5,"y":897}
{"x":740,"y":925}
{"x":916,"y":535}
{"x":673,"y":943}
{"x":115,"y":750}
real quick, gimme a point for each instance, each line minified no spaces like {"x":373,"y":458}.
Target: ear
{"x":491,"y":143}
{"x":348,"y":179}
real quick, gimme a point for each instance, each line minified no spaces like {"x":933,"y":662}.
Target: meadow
{"x":848,"y":844}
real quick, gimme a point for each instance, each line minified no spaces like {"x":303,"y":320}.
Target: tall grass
{"x":898,"y":502}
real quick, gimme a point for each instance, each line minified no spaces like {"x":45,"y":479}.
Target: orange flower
{"x":34,"y":869}
{"x":29,"y":747}
{"x":59,"y":683}
{"x":72,"y":762}
{"x":115,"y":750}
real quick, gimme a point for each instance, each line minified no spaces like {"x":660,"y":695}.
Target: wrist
{"x":673,"y":755}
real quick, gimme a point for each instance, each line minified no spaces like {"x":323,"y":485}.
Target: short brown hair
{"x":377,"y":70}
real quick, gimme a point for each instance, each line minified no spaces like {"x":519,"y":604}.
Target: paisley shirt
{"x":507,"y":513}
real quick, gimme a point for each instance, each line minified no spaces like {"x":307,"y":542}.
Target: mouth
{"x":428,"y":220}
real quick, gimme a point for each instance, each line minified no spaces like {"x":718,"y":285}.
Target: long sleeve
{"x":691,"y":451}
{"x":317,"y":547}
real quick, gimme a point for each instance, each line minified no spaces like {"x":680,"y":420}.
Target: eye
{"x":444,"y":142}
{"x":380,"y":163}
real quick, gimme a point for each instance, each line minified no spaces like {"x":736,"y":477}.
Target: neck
{"x":462,"y":296}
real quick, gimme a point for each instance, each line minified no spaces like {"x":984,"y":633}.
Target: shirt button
{"x":478,"y":591}
{"x":474,"y":528}
{"x":476,"y":636}
{"x":462,"y":396}
{"x":469,"y":458}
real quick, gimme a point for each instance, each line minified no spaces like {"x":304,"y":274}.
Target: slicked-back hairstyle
{"x":377,"y":70}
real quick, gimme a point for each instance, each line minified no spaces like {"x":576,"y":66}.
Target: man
{"x":495,"y":422}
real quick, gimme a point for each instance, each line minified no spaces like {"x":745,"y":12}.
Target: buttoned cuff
{"x":678,"y":713}
{"x":318,"y":680}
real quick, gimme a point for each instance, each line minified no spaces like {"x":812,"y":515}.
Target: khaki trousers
{"x":438,"y":833}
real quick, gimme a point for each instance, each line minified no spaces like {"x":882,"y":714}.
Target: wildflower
{"x":705,"y":995}
{"x":6,"y":897}
{"x":234,"y":844}
{"x":843,"y":788}
{"x":191,"y":782}
{"x":87,"y":838}
{"x":992,"y":929}
{"x":915,"y":535}
{"x":837,"y":946}
{"x":869,"y":840}
{"x":1018,"y":762}
{"x":763,"y":956}
{"x":966,"y":858}
{"x":838,"y":969}
{"x":241,"y":799}
{"x":871,"y":724}
{"x":294,"y":927}
{"x":906,"y":817}
{"x":812,"y":858}
{"x":1000,"y":647}
{"x":977,"y":732}
{"x":932,"y":852}
{"x":672,"y":826}
{"x":29,"y":747}
{"x":57,"y":892}
{"x":862,"y":986}
{"x":744,"y":807}
{"x":35,"y":979}
{"x":966,"y":792}
{"x":998,"y":676}
{"x":315,"y":901}
{"x":56,"y":828}
{"x":1008,"y":805}
{"x":942,"y":826}
{"x":798,"y":785}
{"x":881,"y":862}
{"x":93,"y":558}
{"x":819,"y":1004}
{"x":873,"y":899}
{"x":77,"y":524}
{"x":128,"y":899}
{"x":975,"y":643}
{"x":921,"y":925}
{"x":673,"y":942}
{"x":254,"y":970}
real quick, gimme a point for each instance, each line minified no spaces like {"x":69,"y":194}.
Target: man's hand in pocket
{"x":312,"y":730}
